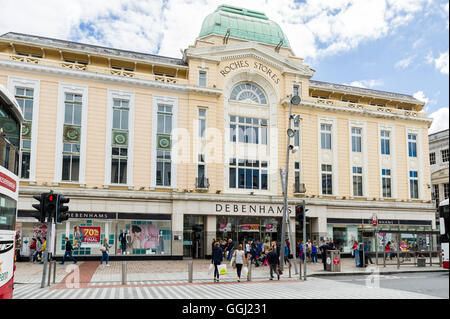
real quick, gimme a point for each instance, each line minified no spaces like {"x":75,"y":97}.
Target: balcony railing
{"x":201,"y":183}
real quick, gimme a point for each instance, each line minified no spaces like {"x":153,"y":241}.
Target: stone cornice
{"x":86,"y":75}
{"x":120,"y":195}
{"x":242,"y":50}
{"x":364,"y":112}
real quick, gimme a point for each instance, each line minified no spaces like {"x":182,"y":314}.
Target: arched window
{"x":248,"y":92}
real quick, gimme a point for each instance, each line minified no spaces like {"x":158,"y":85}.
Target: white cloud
{"x":421,"y":96}
{"x":441,"y":63}
{"x":315,"y":28}
{"x":404,"y":63}
{"x":440,"y":120}
{"x":367,"y":83}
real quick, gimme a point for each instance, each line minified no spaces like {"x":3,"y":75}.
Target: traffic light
{"x":300,"y":214}
{"x":40,"y":214}
{"x":50,"y":205}
{"x":61,"y":210}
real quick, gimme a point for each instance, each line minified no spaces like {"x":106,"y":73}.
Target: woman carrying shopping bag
{"x":239,"y":260}
{"x":217,"y":256}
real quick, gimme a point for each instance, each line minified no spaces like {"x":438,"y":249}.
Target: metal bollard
{"x":190,"y":271}
{"x":440,"y":258}
{"x":431,"y":258}
{"x":384,"y":259}
{"x":54,"y":272}
{"x":300,"y":268}
{"x":249,"y":276}
{"x":124,"y":272}
{"x":289,"y":270}
{"x":49,"y":273}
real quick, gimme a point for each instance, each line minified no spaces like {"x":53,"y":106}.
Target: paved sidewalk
{"x":91,"y":273}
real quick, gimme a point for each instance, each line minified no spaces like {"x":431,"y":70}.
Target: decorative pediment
{"x":237,"y":51}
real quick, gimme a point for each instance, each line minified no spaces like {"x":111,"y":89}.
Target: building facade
{"x":439,"y":165}
{"x":161,"y":155}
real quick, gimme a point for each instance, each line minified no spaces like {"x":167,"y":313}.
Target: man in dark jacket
{"x":274,"y":261}
{"x":216,"y":259}
{"x":68,"y":252}
{"x":230,"y":249}
{"x":323,"y":250}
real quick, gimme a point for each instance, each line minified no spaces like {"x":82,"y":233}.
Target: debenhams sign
{"x":251,"y":209}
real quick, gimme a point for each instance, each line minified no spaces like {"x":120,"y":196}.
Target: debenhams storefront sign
{"x":250,"y":209}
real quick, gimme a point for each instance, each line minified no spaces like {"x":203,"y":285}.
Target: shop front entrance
{"x":194,"y":236}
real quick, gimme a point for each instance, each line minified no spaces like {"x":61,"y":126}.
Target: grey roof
{"x":363,"y":91}
{"x":89,"y":48}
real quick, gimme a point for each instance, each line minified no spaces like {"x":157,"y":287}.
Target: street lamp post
{"x":295,"y":100}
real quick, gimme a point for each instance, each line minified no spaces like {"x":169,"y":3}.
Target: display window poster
{"x":271,"y":228}
{"x":225,"y":226}
{"x":250,"y":227}
{"x":145,"y":236}
{"x":86,"y":236}
{"x":40,"y":230}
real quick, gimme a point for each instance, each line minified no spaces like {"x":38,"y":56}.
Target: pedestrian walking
{"x":301,"y":252}
{"x":38,"y":253}
{"x":68,"y":252}
{"x":32,"y":249}
{"x":387,"y":249}
{"x":287,"y":252}
{"x":104,"y":248}
{"x":323,"y":250}
{"x":266,"y":251}
{"x":355,"y":252}
{"x":253,"y":250}
{"x":247,"y":249}
{"x":42,"y":249}
{"x":308,"y":250}
{"x":239,"y":260}
{"x":216,"y":259}
{"x":314,"y":249}
{"x":274,"y":261}
{"x":230,"y":248}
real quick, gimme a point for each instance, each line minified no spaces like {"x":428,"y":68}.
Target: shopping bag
{"x":222,"y":269}
{"x":233,"y":262}
{"x":211,"y":268}
{"x":244,"y":272}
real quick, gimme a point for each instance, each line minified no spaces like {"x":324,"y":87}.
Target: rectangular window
{"x":325,"y":136}
{"x":71,"y":162}
{"x":120,"y":114}
{"x":295,"y":90}
{"x":251,"y":174}
{"x":327,"y":179}
{"x":385,"y":142}
{"x":357,"y":181}
{"x":435,"y":193}
{"x":119,"y":160}
{"x":432,"y":158}
{"x":201,"y":172}
{"x":26,"y":156}
{"x":296,"y":177}
{"x":446,"y":191}
{"x":296,"y":134}
{"x":444,"y":154}
{"x":163,"y":168}
{"x":249,"y":130}
{"x":24,"y":97}
{"x":164,"y":114}
{"x":413,"y":185}
{"x":201,"y":122}
{"x":412,"y":145}
{"x":386,"y":182}
{"x":72,"y":104}
{"x":356,"y":139}
{"x":202,"y":78}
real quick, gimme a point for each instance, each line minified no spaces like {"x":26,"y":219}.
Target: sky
{"x":397,"y":46}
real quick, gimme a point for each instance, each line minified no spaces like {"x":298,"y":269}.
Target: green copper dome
{"x":244,"y":24}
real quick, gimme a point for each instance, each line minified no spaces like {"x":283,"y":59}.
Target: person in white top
{"x":239,"y":260}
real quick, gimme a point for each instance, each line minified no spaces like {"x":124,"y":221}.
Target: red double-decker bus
{"x":11,"y":119}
